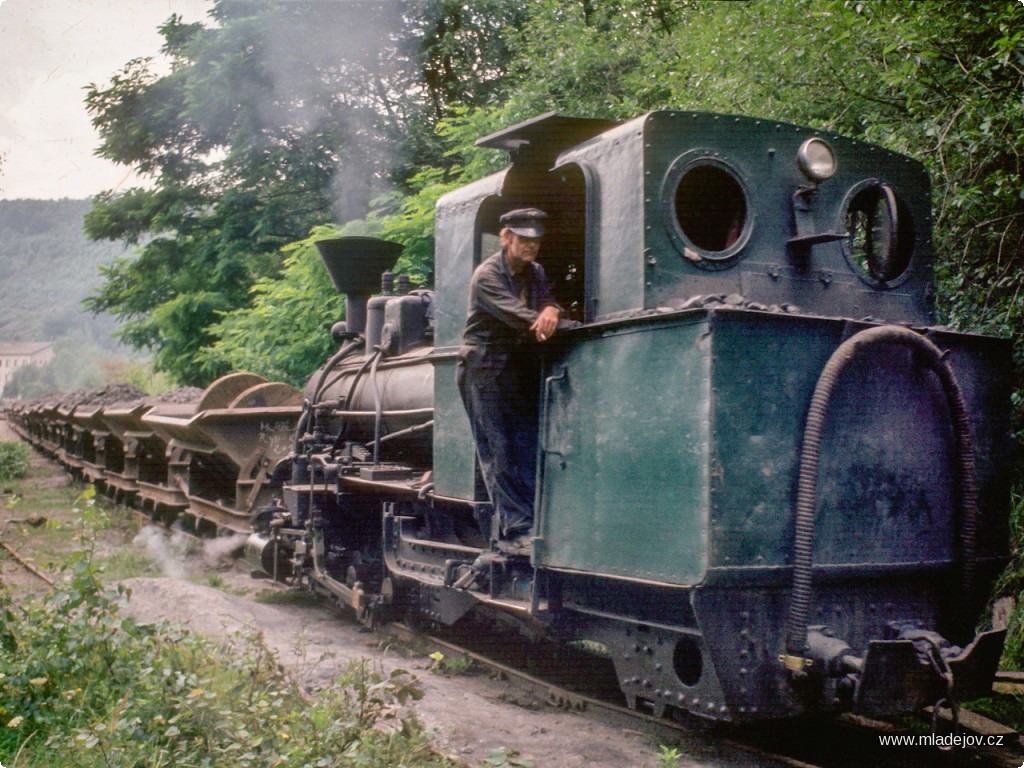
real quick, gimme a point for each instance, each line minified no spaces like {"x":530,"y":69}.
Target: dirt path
{"x":472,"y":714}
{"x":6,"y":433}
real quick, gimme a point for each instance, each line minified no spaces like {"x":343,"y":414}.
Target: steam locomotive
{"x":768,"y":485}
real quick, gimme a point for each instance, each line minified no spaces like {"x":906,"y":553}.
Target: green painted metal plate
{"x":624,"y":456}
{"x":454,"y":453}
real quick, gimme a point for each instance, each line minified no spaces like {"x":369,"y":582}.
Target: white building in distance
{"x":14,"y":355}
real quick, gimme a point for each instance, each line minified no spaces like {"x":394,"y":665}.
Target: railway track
{"x":833,"y":743}
{"x":842,"y":742}
{"x":830,"y":743}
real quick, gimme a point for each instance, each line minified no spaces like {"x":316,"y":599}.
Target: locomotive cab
{"x":718,"y":264}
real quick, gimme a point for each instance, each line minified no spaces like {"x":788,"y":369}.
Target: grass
{"x":1011,"y":584}
{"x":458,"y":664}
{"x":287,"y":597}
{"x":83,"y":685}
{"x":126,"y":563}
{"x":14,"y":461}
{"x":75,"y":519}
{"x":80,"y":685}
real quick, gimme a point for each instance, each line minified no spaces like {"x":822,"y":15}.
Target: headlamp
{"x":816,"y":160}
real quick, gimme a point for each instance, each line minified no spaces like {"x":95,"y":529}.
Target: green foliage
{"x":938,"y":81}
{"x":285,"y":335}
{"x":244,"y":165}
{"x":14,"y":458}
{"x":1011,"y":583}
{"x":82,"y":685}
{"x":454,"y":665}
{"x":278,"y":118}
{"x":136,"y":372}
{"x":1007,"y":709}
{"x":601,"y":59}
{"x":669,"y":757}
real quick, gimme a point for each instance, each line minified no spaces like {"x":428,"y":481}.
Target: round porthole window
{"x":880,"y":235}
{"x":709,"y":210}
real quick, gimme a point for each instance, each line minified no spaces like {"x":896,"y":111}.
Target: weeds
{"x":287,"y":597}
{"x":669,"y":757}
{"x":1011,"y":584}
{"x":14,"y":461}
{"x":461,"y":664}
{"x":77,"y":679}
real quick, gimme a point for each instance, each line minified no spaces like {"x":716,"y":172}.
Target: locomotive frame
{"x":768,"y":485}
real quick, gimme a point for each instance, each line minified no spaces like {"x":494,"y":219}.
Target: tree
{"x":243,"y":140}
{"x":938,"y":81}
{"x":285,"y":333}
{"x":278,"y":117}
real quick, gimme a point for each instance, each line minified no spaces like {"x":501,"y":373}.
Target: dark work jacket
{"x":498,"y":316}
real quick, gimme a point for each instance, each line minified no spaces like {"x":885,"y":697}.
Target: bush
{"x":81,"y":685}
{"x":13,"y":461}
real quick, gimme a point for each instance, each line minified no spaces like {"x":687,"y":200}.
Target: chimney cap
{"x":355,"y":263}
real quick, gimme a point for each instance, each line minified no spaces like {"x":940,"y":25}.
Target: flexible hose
{"x":806,"y":503}
{"x":340,"y":355}
{"x":351,"y":392}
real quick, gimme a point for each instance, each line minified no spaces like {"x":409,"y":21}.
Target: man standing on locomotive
{"x":510,"y":309}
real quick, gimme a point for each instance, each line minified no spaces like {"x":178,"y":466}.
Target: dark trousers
{"x":500,"y":393}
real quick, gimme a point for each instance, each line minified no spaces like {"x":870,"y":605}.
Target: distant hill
{"x":47,"y":266}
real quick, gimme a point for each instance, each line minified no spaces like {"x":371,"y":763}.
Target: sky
{"x":50,"y":50}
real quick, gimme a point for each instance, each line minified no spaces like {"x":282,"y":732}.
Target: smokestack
{"x":355,"y":265}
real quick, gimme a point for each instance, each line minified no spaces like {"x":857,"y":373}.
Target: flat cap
{"x":525,"y":222}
